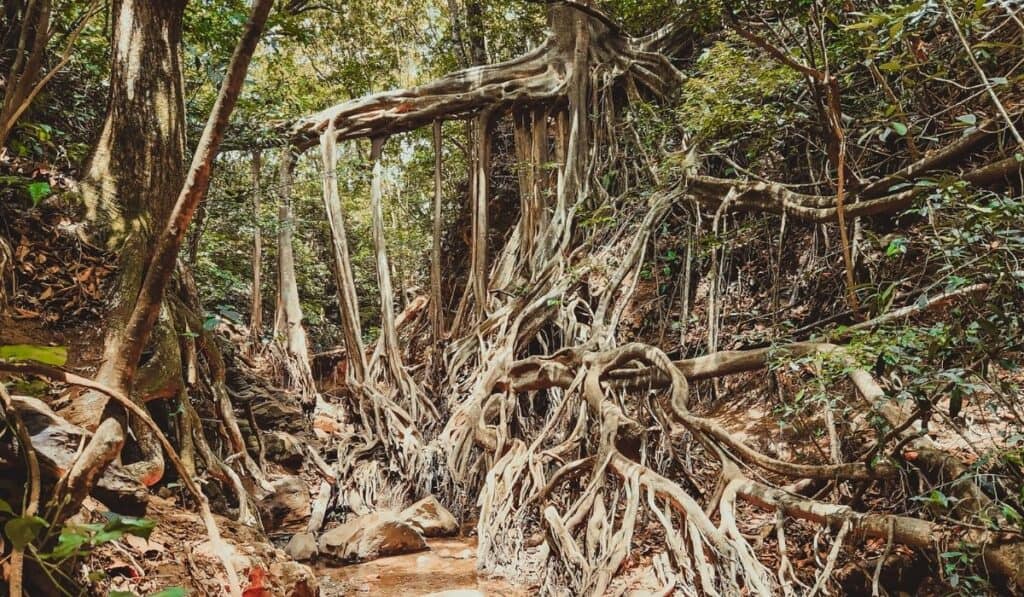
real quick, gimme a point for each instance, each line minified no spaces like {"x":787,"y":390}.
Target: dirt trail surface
{"x":447,"y":568}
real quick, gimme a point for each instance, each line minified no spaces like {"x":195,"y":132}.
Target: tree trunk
{"x":436,"y":311}
{"x":138,"y":165}
{"x":475,"y":31}
{"x":347,"y":300}
{"x":288,"y":289}
{"x":27,"y":63}
{"x":480,"y":182}
{"x":256,"y":306}
{"x":124,"y":348}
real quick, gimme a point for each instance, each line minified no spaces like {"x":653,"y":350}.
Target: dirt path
{"x":448,"y":566}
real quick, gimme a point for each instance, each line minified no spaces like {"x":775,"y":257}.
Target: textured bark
{"x":480,"y":184}
{"x":396,"y":374}
{"x":348,"y":302}
{"x":511,"y":444}
{"x":125,"y":344}
{"x":289,"y":320}
{"x":437,"y":326}
{"x":134,"y":173}
{"x":138,"y":165}
{"x":161,"y":264}
{"x":541,"y":76}
{"x":475,"y":29}
{"x":256,"y":303}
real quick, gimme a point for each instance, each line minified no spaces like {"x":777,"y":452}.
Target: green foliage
{"x":53,"y":547}
{"x":23,"y":530}
{"x":33,"y":190}
{"x":727,"y":95}
{"x":78,"y":539}
{"x":957,"y":565}
{"x":47,"y":355}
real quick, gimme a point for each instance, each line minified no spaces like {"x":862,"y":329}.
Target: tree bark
{"x":290,"y":309}
{"x":256,"y":304}
{"x":347,"y":300}
{"x":436,"y":311}
{"x":138,"y":165}
{"x":136,"y":169}
{"x":389,"y":332}
{"x":124,"y":350}
{"x":478,"y":198}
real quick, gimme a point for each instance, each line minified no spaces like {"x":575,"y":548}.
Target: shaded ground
{"x":449,"y":565}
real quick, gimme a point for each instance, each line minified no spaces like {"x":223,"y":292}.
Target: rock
{"x":301,"y":547}
{"x":288,"y":507}
{"x":274,"y":412}
{"x":283,"y":448}
{"x":430,"y":518}
{"x":57,"y":442}
{"x":371,"y":536}
{"x":294,"y":579}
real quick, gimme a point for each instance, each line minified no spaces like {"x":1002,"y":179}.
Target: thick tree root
{"x":570,"y":452}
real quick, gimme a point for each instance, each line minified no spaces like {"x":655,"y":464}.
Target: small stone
{"x":369,"y":537}
{"x":430,"y":518}
{"x":465,"y":554}
{"x":294,"y":579}
{"x":301,"y":547}
{"x":283,"y":448}
{"x":288,"y":507}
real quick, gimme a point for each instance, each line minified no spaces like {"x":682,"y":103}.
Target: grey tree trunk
{"x":290,"y":315}
{"x":256,"y":308}
{"x":136,"y":171}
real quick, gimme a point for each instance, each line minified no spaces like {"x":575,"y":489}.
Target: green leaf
{"x":939,"y":499}
{"x":68,"y":544}
{"x":23,"y":530}
{"x":897,"y":246}
{"x":140,"y":527}
{"x":170,"y":592}
{"x":106,"y":537}
{"x":6,"y":508}
{"x":39,"y":191}
{"x":47,"y":355}
{"x":899,"y":128}
{"x":968,"y":119}
{"x":121,"y":594}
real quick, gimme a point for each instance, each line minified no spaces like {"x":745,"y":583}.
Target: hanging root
{"x":570,"y":440}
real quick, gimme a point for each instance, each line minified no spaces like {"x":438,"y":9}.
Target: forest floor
{"x":58,"y":302}
{"x":448,"y":565}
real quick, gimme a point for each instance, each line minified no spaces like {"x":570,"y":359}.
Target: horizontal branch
{"x":1000,"y":553}
{"x":541,"y":76}
{"x":537,"y":76}
{"x":773,"y":197}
